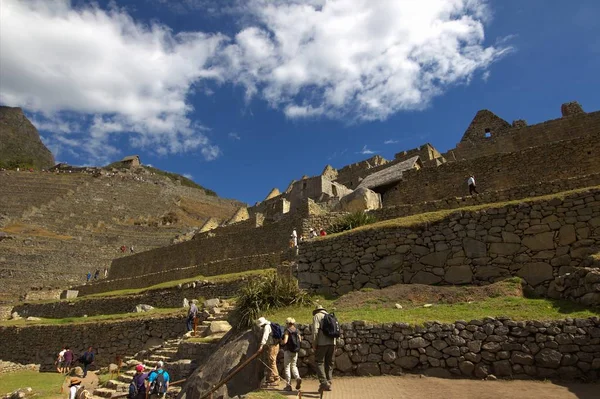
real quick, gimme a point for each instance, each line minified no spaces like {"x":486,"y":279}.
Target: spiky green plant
{"x":351,"y":221}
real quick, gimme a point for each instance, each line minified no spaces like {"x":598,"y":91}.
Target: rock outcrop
{"x":20,"y":143}
{"x":361,"y":199}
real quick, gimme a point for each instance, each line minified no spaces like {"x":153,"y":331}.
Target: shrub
{"x":351,"y":221}
{"x":259,"y":296}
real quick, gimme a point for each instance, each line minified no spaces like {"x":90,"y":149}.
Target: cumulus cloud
{"x":129,"y":77}
{"x":361,"y":59}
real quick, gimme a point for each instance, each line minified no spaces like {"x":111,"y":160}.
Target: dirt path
{"x":414,"y":387}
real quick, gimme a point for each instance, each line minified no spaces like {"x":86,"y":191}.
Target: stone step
{"x":125,"y":379}
{"x":104,"y":392}
{"x":119,"y":386}
{"x":166,"y":352}
{"x":159,"y":357}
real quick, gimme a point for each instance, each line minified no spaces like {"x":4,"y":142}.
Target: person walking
{"x":192,"y":314}
{"x":294,"y":238}
{"x":60,"y":360}
{"x":291,"y":346}
{"x":87,"y":359}
{"x":472,"y":185}
{"x":89,"y":276}
{"x":139,"y":383}
{"x":269,"y":345}
{"x":158,"y":381}
{"x":68,"y":356}
{"x":105,"y":272}
{"x":96,"y":274}
{"x":324,"y":347}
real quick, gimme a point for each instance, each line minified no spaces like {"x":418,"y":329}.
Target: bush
{"x":351,"y":221}
{"x":259,"y":296}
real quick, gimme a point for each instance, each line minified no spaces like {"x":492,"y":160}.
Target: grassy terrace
{"x":156,"y":313}
{"x":432,"y":217}
{"x":44,"y":385}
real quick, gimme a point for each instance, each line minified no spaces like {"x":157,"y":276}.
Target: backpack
{"x":293,"y":343}
{"x":330,"y":325}
{"x":133,"y":390}
{"x":82,"y":393}
{"x":158,"y":386}
{"x":276,"y":331}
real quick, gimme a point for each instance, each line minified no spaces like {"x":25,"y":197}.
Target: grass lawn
{"x":44,"y":385}
{"x":222,"y":278}
{"x":431,"y":217}
{"x":265,"y":395}
{"x":95,"y":319}
{"x":514,"y":307}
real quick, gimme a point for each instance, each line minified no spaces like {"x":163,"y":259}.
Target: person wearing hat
{"x":75,"y":383}
{"x":270,"y":346}
{"x":324,"y":348}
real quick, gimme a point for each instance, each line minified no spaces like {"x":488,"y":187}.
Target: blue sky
{"x":246,"y":96}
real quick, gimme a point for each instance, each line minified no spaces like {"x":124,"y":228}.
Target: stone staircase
{"x":180,"y":356}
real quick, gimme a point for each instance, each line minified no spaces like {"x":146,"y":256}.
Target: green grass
{"x":203,"y":340}
{"x":222,"y":278}
{"x":432,"y":217}
{"x":44,"y":385}
{"x":514,"y":307}
{"x":265,"y":395}
{"x":96,"y":319}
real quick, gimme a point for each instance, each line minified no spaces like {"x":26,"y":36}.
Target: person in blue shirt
{"x":158,"y":381}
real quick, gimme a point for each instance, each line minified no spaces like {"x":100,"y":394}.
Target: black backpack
{"x":158,"y":385}
{"x":133,"y":390}
{"x":276,"y":331}
{"x":330,"y":325}
{"x":293,"y":343}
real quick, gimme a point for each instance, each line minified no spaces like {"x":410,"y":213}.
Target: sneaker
{"x":298,"y":383}
{"x":288,"y":388}
{"x":324,"y":387}
{"x":330,"y":383}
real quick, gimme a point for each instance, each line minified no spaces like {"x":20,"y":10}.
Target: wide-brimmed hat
{"x":318,"y":308}
{"x":74,"y":381}
{"x":261,"y":321}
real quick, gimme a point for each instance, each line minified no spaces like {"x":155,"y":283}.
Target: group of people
{"x":147,"y":384}
{"x":325,"y":331}
{"x":65,"y":360}
{"x":96,"y":274}
{"x":124,"y":249}
{"x":295,"y":239}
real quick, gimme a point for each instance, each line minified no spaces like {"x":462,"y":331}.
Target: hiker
{"x":68,"y":356}
{"x":131,"y":249}
{"x":291,"y":346}
{"x":192,"y":314}
{"x":312,"y":233}
{"x":96,"y":274}
{"x":87,"y":359}
{"x":137,"y":387}
{"x":105,"y":272}
{"x":472,"y":186}
{"x":269,"y":344}
{"x":123,"y":248}
{"x":322,"y":233}
{"x":158,"y":381}
{"x":76,"y":390}
{"x":60,"y":360}
{"x":89,"y":276}
{"x":294,"y":238}
{"x":324,"y":347}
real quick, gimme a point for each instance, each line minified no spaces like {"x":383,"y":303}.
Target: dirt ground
{"x":415,"y":387}
{"x":418,"y":294}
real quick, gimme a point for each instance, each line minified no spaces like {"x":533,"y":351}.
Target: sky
{"x":244,"y":96}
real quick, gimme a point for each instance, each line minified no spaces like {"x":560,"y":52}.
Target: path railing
{"x":209,"y":394}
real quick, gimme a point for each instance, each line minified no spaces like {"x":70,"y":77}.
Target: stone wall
{"x":565,"y":349}
{"x":162,"y":298}
{"x":537,"y":240}
{"x":504,"y":138}
{"x":555,"y":161}
{"x":40,"y":344}
{"x":226,"y":266}
{"x":581,"y":285}
{"x":488,"y":197}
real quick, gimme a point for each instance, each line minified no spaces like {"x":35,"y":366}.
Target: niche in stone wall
{"x":488,"y":133}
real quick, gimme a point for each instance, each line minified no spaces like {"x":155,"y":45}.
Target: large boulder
{"x":233,"y":350}
{"x":361,"y":199}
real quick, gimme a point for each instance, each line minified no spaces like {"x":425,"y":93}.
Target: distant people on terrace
{"x":87,"y":359}
{"x":89,"y":276}
{"x":472,"y":185}
{"x":131,"y":249}
{"x":312,"y":233}
{"x":123,"y":248}
{"x":322,"y":233}
{"x":105,"y":272}
{"x":192,"y":314}
{"x":294,"y":238}
{"x":96,"y":274}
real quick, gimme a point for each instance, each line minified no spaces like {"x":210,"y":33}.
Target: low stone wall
{"x":581,"y":285}
{"x":40,"y":344}
{"x":5,"y":312}
{"x":235,"y":265}
{"x":564,"y":349}
{"x":537,"y":240}
{"x":163,"y":298}
{"x":489,"y":197}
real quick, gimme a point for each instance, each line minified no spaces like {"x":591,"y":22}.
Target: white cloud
{"x":485,"y":76}
{"x":188,"y":176}
{"x":358,"y":59}
{"x":132,"y":78}
{"x":234,"y":136}
{"x":391,"y":142}
{"x":366,"y":151}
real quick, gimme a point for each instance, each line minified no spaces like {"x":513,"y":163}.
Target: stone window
{"x":488,"y":133}
{"x":334,"y":190}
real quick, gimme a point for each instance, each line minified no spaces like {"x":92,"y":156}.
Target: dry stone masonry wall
{"x":537,"y":241}
{"x":564,"y":349}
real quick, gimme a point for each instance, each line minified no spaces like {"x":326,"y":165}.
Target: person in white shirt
{"x":472,"y":186}
{"x":270,"y":346}
{"x":294,"y":237}
{"x":60,"y":361}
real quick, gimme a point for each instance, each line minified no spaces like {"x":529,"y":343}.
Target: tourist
{"x":472,"y":186}
{"x":75,"y":387}
{"x":139,"y":383}
{"x":322,"y":233}
{"x":294,"y":238}
{"x":291,"y":346}
{"x":312,"y":233}
{"x":89,"y":276}
{"x":192,"y":314}
{"x":96,"y":274}
{"x":68,"y":356}
{"x":123,"y":248}
{"x":87,"y":359}
{"x":324,"y":347}
{"x":269,"y":345}
{"x":131,"y":249}
{"x":60,"y":360}
{"x":105,"y":272}
{"x":158,"y":381}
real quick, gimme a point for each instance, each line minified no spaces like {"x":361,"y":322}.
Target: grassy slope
{"x":44,"y":385}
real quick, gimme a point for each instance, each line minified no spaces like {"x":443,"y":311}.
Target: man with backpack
{"x":272,"y":333}
{"x":325,"y":331}
{"x":137,"y":387}
{"x":158,"y":381}
{"x":87,"y":359}
{"x":291,"y":346}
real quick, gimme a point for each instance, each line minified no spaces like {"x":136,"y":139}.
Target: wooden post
{"x":195,"y":325}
